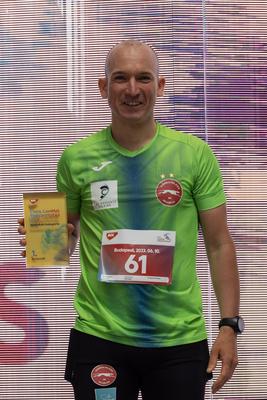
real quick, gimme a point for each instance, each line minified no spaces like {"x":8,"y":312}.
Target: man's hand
{"x":225,"y":350}
{"x":22,"y":231}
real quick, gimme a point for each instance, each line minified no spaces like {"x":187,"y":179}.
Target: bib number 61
{"x":132,"y":265}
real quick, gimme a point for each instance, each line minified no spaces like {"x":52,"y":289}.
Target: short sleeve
{"x":66,"y":184}
{"x":208,"y":189}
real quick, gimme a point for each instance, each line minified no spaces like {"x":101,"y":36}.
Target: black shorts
{"x":99,"y":369}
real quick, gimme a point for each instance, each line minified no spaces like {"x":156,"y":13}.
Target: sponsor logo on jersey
{"x":104,"y":194}
{"x":103,"y":375}
{"x":102,"y":165}
{"x":104,"y":191}
{"x":169,"y":192}
{"x":164,"y":238}
{"x":111,"y":235}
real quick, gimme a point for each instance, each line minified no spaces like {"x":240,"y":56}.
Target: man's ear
{"x":102,"y":85}
{"x":161,"y":86}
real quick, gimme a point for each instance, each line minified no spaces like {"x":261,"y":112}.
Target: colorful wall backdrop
{"x":213,"y":54}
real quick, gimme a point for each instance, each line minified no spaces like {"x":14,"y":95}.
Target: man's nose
{"x":132,"y":86}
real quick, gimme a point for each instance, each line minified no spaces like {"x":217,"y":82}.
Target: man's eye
{"x":145,"y":78}
{"x":119,"y":78}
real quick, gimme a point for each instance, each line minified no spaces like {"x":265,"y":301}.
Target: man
{"x":136,"y":192}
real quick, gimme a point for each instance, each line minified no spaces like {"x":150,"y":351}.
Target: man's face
{"x":132,"y":84}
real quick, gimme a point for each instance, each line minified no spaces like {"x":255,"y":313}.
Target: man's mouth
{"x":132,"y":103}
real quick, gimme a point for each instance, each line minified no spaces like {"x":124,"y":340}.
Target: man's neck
{"x":133,"y":136}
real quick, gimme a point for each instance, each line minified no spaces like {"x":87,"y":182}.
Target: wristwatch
{"x":237,"y":323}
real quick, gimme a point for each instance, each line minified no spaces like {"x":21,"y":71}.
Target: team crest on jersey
{"x":169,"y":192}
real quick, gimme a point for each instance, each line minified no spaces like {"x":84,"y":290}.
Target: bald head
{"x":132,"y":84}
{"x":127,"y":46}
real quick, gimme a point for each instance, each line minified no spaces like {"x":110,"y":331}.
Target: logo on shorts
{"x":103,"y":375}
{"x":169,"y":192}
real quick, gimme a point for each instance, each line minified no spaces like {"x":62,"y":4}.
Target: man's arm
{"x":73,"y":231}
{"x":224,"y":274}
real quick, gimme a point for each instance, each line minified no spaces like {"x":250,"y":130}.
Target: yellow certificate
{"x":45,"y":218}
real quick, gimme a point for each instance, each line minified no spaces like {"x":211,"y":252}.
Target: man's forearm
{"x":225,"y":278}
{"x":73,"y":231}
{"x":73,"y":240}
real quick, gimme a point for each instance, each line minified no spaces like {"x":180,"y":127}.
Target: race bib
{"x":137,"y":256}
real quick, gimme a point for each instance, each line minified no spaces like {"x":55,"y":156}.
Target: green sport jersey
{"x":159,"y":188}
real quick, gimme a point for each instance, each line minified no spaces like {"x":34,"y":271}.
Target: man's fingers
{"x":71,"y":229}
{"x":227,"y":371}
{"x":212,"y":361}
{"x":21,"y":221}
{"x":21,"y":230}
{"x":214,"y":355}
{"x":220,"y":381}
{"x":23,"y":253}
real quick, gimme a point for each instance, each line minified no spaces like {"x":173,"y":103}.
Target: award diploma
{"x":45,"y":219}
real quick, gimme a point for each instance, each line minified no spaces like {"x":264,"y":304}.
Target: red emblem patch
{"x":169,"y":192}
{"x":111,"y":235}
{"x":103,"y":375}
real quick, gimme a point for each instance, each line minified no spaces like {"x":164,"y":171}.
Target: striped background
{"x":213,"y":54}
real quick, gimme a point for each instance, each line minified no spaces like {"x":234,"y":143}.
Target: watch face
{"x":241,"y":324}
{"x":237,"y":323}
